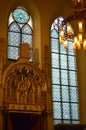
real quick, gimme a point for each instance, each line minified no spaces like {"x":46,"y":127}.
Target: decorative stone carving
{"x":23,"y":84}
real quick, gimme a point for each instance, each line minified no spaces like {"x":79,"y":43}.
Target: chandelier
{"x":74,"y":26}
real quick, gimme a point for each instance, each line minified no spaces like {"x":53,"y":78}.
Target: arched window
{"x":64,"y":79}
{"x":20,"y":30}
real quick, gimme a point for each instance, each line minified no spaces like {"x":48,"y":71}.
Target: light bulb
{"x":60,"y":40}
{"x":80,"y":37}
{"x":80,"y":24}
{"x":75,"y":39}
{"x":68,"y":28}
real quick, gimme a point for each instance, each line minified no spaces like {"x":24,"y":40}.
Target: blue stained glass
{"x":55,"y":59}
{"x":54,"y":45}
{"x":27,"y":39}
{"x":27,"y":34}
{"x":13,"y":53}
{"x":54,"y":33}
{"x":75,"y":112}
{"x":66,"y":112}
{"x":14,"y":27}
{"x":27,"y":29}
{"x":62,"y":49}
{"x":65,"y":94}
{"x":57,"y":110}
{"x":70,"y":48}
{"x":20,"y":15}
{"x":56,"y":93}
{"x":63,"y":59}
{"x":72,"y":63}
{"x":73,"y":79}
{"x":55,"y":76}
{"x":74,"y":94}
{"x":64,"y":78}
{"x":14,"y":39}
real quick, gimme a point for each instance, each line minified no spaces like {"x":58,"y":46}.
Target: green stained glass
{"x":20,"y":15}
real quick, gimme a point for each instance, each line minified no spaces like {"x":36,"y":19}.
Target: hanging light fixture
{"x":76,"y":22}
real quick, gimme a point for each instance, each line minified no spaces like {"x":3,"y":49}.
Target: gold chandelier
{"x":76,"y":22}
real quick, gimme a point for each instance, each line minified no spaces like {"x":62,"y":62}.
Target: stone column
{"x":49,"y":106}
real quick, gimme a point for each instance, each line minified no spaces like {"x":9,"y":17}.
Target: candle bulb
{"x":75,"y":39}
{"x":80,"y":38}
{"x":60,"y":40}
{"x":69,"y":28}
{"x":80,"y":24}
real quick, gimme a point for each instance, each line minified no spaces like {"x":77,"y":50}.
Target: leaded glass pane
{"x":27,"y":39}
{"x":66,"y":112}
{"x":72,"y":78}
{"x":57,"y":122}
{"x":72,"y":63}
{"x":70,"y":48}
{"x":14,"y":39}
{"x":56,"y":92}
{"x":20,"y":15}
{"x":54,"y":33}
{"x":13,"y":53}
{"x":62,"y":49}
{"x":14,"y":27}
{"x":55,"y":76}
{"x":74,"y":94}
{"x":75,"y":122}
{"x":65,"y":93}
{"x":74,"y":110}
{"x":55,"y":59}
{"x":57,"y":110}
{"x":63,"y":60}
{"x":66,"y":121}
{"x":26,"y":29}
{"x":20,"y":30}
{"x":54,"y":45}
{"x":64,"y":77}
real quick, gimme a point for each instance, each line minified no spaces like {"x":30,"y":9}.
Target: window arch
{"x":64,"y":79}
{"x":20,"y":29}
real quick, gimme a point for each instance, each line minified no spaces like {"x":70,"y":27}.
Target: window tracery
{"x":20,"y":29}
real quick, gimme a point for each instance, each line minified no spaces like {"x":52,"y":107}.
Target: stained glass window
{"x":64,"y":79}
{"x":20,"y":30}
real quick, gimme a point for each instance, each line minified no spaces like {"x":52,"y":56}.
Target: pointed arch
{"x":64,"y":79}
{"x":20,"y":29}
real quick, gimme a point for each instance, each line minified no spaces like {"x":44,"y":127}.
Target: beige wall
{"x":43,"y":12}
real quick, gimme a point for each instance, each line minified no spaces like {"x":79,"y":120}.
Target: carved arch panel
{"x":24,"y":85}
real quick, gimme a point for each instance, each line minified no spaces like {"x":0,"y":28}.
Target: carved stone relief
{"x":23,"y":84}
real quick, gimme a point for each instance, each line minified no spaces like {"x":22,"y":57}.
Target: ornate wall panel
{"x":24,"y":87}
